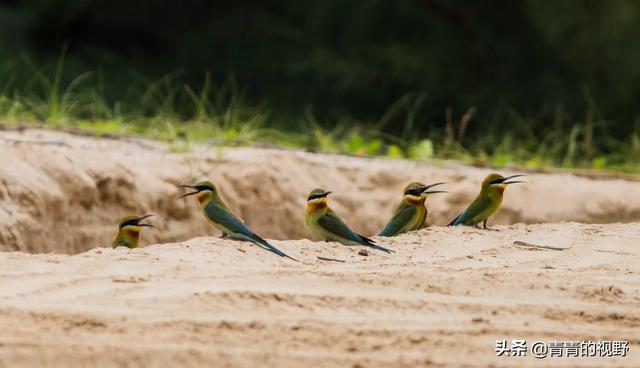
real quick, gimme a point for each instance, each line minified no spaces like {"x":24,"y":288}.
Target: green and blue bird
{"x":321,"y":220}
{"x":487,"y":202}
{"x":218,"y":214}
{"x":411,"y":213}
{"x":129,"y":228}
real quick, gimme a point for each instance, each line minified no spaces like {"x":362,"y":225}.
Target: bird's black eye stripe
{"x":133,"y":222}
{"x":497,"y":181}
{"x":316,"y":196}
{"x":414,"y":192}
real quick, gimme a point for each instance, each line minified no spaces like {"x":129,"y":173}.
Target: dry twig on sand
{"x":535,"y":246}
{"x":330,"y":259}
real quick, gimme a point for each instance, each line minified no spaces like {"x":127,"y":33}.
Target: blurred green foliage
{"x":497,"y":81}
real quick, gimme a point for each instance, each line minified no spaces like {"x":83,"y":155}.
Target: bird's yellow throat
{"x":500,"y":188}
{"x":415,"y":200}
{"x":132,"y":230}
{"x":316,"y":204}
{"x":203,"y":196}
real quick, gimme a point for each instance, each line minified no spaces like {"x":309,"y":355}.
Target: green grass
{"x":173,"y":112}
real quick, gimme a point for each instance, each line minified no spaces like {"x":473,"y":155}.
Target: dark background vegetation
{"x":543,"y":67}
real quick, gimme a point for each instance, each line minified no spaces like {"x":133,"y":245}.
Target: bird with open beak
{"x":411,"y":213}
{"x":487,"y":202}
{"x":129,"y":228}
{"x":220,"y":216}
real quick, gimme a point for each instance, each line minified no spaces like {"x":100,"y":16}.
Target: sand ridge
{"x":64,"y":193}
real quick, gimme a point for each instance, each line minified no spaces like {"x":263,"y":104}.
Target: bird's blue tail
{"x":263,"y":243}
{"x":368,"y":242}
{"x":456,"y":221}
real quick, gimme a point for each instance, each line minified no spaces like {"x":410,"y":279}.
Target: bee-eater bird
{"x":218,"y":214}
{"x":324,"y":223}
{"x":487,"y":202}
{"x":411,"y":213}
{"x":129,"y":229}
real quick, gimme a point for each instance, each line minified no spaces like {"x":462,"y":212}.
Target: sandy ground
{"x":441,"y":300}
{"x":64,"y":193}
{"x":193,"y":299}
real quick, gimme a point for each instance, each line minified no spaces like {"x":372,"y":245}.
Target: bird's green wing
{"x":121,"y":243}
{"x":332,"y":223}
{"x":235,"y":226}
{"x":226,"y":219}
{"x":469,"y":215}
{"x":400,"y":219}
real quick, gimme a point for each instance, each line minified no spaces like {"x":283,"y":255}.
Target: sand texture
{"x":568,"y":268}
{"x":441,"y":300}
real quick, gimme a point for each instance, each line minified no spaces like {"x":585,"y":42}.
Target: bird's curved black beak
{"x":506,"y":180}
{"x":326,"y":193}
{"x":425,"y":190}
{"x":140,"y":218}
{"x":189,"y":187}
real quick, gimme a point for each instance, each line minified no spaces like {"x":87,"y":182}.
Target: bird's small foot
{"x":224,"y":235}
{"x":484,"y":225}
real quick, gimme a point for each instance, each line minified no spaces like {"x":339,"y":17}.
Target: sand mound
{"x":442,"y":300}
{"x":64,"y":193}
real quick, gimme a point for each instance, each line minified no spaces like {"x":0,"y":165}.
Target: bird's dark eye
{"x":316,"y":196}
